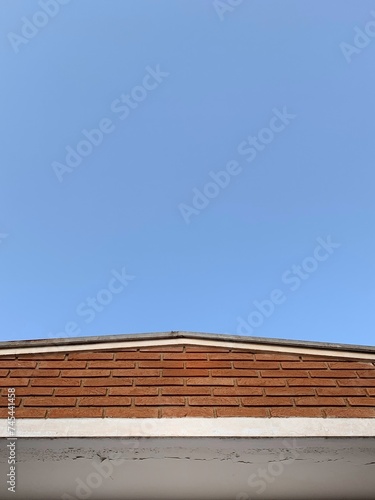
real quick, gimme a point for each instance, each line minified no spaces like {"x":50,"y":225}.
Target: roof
{"x":182,"y":335}
{"x":178,"y":374}
{"x":217,"y":406}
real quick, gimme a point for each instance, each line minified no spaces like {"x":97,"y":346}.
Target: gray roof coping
{"x":105,"y":339}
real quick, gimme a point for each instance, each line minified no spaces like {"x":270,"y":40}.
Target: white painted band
{"x":191,"y":427}
{"x":135,"y":344}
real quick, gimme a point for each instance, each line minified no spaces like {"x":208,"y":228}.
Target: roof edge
{"x":219,"y":338}
{"x":227,"y":427}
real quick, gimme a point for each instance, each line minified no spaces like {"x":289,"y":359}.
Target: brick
{"x":350,"y":365}
{"x":319,"y":357}
{"x":14,"y":363}
{"x":238,"y":356}
{"x":244,"y":352}
{"x":89,"y":355}
{"x":104,"y":401}
{"x":276,"y":357}
{"x":52,"y":401}
{"x":213,"y":401}
{"x":31,"y":413}
{"x":234,"y":373}
{"x":48,"y":356}
{"x":160,"y":401}
{"x":161,"y":364}
{"x":85,"y":373}
{"x":185,"y":373}
{"x":333,"y":374}
{"x":267,"y":401}
{"x":258,"y":382}
{"x":209,"y":381}
{"x":80,"y":391}
{"x":284,"y":373}
{"x":256,"y":365}
{"x":186,"y":391}
{"x":341,"y":391}
{"x":303,"y":382}
{"x":176,"y":348}
{"x":4,"y":401}
{"x":159,"y":381}
{"x":185,"y":356}
{"x":350,"y":412}
{"x":366,"y":373}
{"x":206,"y":349}
{"x":68,"y":365}
{"x":304,"y":365}
{"x":359,"y":382}
{"x":40,"y":356}
{"x":75,"y":413}
{"x":128,"y":412}
{"x":14,"y":382}
{"x":290,"y":391}
{"x":208,"y":364}
{"x":4,"y":373}
{"x":45,"y":373}
{"x":138,"y":355}
{"x":106,"y":382}
{"x":128,"y":350}
{"x":23,"y":372}
{"x":238,"y":391}
{"x":242,"y":412}
{"x":111,"y":364}
{"x":52,"y":382}
{"x":296,"y":412}
{"x":133,"y":391}
{"x":187,"y":412}
{"x":34,"y":391}
{"x":366,"y":401}
{"x":136,"y":373}
{"x":320,"y":401}
{"x":370,"y":391}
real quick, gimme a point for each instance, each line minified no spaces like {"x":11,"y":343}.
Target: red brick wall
{"x":186,"y":381}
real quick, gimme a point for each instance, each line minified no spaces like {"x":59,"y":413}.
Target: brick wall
{"x":186,"y":381}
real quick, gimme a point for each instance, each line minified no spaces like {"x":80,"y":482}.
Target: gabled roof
{"x":189,"y":338}
{"x":184,"y":374}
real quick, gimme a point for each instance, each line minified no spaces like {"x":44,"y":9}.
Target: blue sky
{"x":123,"y":238}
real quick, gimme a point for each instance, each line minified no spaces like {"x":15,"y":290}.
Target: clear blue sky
{"x":214,"y":78}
